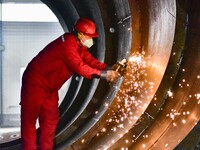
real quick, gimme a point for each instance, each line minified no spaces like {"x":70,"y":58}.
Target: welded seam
{"x":124,"y":19}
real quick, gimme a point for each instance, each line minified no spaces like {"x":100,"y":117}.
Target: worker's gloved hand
{"x":111,"y":76}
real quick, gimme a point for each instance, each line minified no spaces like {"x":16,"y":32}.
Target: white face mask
{"x":88,"y":43}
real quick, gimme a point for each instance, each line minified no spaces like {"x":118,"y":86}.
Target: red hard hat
{"x":86,"y":26}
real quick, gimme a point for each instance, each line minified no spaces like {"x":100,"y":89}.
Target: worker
{"x":47,"y":72}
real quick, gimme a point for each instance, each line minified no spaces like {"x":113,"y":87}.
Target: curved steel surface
{"x":156,"y":104}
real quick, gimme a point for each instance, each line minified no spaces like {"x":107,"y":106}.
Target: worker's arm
{"x":92,"y":61}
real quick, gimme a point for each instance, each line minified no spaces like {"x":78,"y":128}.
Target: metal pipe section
{"x":157,"y":40}
{"x":156,"y":104}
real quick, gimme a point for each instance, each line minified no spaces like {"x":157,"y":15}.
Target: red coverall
{"x":42,"y":79}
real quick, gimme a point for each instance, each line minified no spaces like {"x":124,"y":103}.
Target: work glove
{"x":110,"y":75}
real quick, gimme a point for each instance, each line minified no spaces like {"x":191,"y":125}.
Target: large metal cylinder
{"x":165,"y":105}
